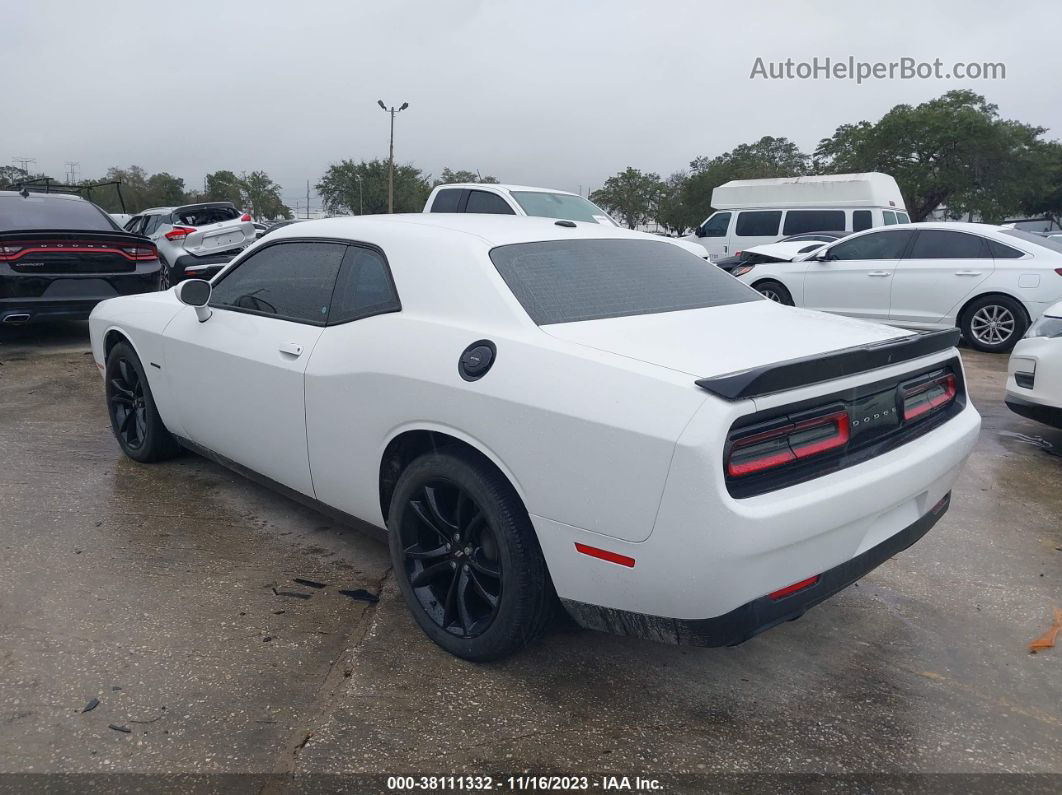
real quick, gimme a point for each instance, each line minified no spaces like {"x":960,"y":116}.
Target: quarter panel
{"x":587,"y":436}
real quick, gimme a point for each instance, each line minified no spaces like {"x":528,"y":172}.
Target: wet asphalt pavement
{"x":162,"y":590}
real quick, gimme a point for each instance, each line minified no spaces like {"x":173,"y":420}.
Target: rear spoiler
{"x":771,"y":378}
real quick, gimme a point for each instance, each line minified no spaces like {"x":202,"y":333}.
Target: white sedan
{"x":537,"y":409}
{"x":1034,"y":375}
{"x":991,"y":282}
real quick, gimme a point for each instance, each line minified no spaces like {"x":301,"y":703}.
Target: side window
{"x":134,"y":224}
{"x":797,"y":221}
{"x":877,"y":245}
{"x":889,"y":217}
{"x":291,"y":281}
{"x":715,"y":226}
{"x":999,"y":251}
{"x":758,"y":223}
{"x":364,"y":287}
{"x":447,"y":201}
{"x":861,"y":220}
{"x":938,"y":244}
{"x":812,"y":247}
{"x":480,"y":201}
{"x":902,"y":218}
{"x":152,"y":223}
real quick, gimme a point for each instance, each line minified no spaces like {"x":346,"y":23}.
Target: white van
{"x":752,"y":212}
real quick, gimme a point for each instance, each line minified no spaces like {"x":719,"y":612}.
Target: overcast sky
{"x":561,"y":94}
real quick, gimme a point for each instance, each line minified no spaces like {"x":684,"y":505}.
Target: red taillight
{"x":924,"y":398}
{"x":789,"y":590}
{"x":245,"y":217}
{"x":179,"y":232}
{"x":604,"y":554}
{"x":792,"y":442}
{"x":141,"y":253}
{"x":9,"y":252}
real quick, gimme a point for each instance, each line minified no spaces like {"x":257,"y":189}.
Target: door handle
{"x":967,"y":273}
{"x":291,"y":349}
{"x":878,"y":273}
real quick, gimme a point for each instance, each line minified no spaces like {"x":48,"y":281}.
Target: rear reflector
{"x":792,"y":442}
{"x":604,"y":554}
{"x":924,"y":398}
{"x":789,"y":590}
{"x":179,"y":232}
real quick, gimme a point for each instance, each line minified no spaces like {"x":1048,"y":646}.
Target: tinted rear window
{"x":758,"y":223}
{"x":797,"y":221}
{"x":563,"y":281}
{"x":446,"y":201}
{"x":51,"y":212}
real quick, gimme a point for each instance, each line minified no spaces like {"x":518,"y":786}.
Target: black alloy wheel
{"x":451,"y":559}
{"x":131,"y":408}
{"x":466,"y":556}
{"x":128,"y":406}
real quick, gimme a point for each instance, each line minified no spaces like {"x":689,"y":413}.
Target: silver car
{"x":195,"y":240}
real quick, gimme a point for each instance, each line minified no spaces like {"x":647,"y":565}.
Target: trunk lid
{"x":219,"y":237}
{"x":60,"y":251}
{"x":723,"y":339}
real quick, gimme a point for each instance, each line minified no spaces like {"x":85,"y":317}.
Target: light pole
{"x":391,"y":159}
{"x":361,"y":196}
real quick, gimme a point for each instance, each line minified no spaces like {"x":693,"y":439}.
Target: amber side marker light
{"x":604,"y":554}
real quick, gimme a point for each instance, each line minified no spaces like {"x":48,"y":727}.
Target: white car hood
{"x":723,"y":339}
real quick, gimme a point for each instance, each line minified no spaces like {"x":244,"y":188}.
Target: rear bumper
{"x":28,"y":298}
{"x":761,"y":614}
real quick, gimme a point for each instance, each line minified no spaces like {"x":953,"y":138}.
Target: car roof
{"x":43,"y":194}
{"x":489,"y":185}
{"x":491,"y":230}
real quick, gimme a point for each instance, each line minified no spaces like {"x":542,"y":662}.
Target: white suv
{"x":196,"y":240}
{"x":990,"y":281}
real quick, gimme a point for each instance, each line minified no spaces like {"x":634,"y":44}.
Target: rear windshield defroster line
{"x":565,"y":281}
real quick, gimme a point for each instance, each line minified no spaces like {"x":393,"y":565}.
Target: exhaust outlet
{"x":16,"y":319}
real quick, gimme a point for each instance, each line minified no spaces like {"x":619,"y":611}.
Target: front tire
{"x":994,"y":324}
{"x":775,"y":291}
{"x":134,"y":419}
{"x":467,"y":560}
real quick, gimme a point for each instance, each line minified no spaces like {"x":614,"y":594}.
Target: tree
{"x":765,"y":158}
{"x":631,"y":195}
{"x":224,"y":186}
{"x":952,"y":151}
{"x":1043,"y":196}
{"x":449,"y":177}
{"x":165,"y":190}
{"x":339,"y":187}
{"x":672,"y":213}
{"x":263,"y":196}
{"x":10,"y":176}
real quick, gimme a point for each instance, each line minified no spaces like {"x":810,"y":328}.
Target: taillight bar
{"x":924,"y":398}
{"x":179,"y":232}
{"x":12,"y":252}
{"x":792,"y":442}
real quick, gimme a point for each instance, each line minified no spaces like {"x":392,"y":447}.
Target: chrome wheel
{"x":451,"y":558}
{"x":770,"y":294}
{"x":993,"y":324}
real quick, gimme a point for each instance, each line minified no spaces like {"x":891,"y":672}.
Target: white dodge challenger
{"x":537,"y":409}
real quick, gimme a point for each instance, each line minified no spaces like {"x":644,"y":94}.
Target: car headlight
{"x":1046,"y":327}
{"x":741,"y":270}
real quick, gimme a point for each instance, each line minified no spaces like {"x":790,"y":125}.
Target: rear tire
{"x":774,"y":291}
{"x":131,"y":407}
{"x":994,"y":324}
{"x":467,"y":559}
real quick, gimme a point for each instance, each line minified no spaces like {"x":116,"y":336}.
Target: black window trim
{"x":346,"y":243}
